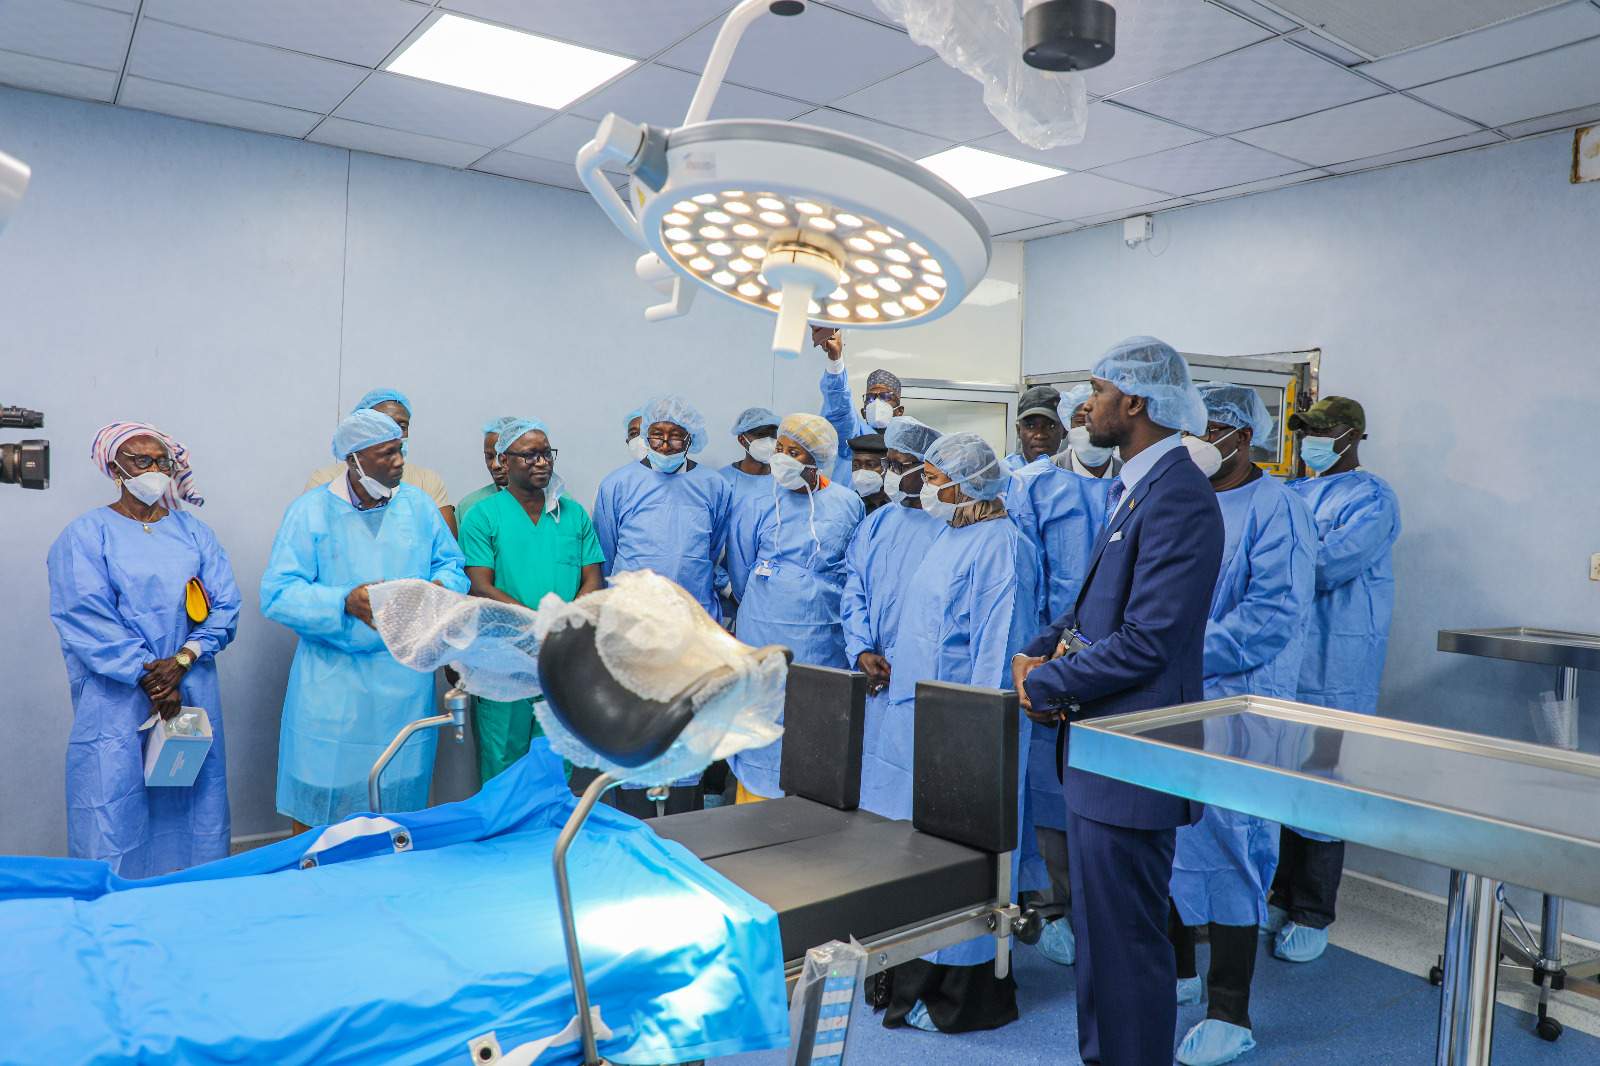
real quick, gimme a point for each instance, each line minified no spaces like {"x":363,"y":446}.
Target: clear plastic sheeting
{"x":493,"y":645}
{"x":819,"y":1008}
{"x":1555,"y":721}
{"x":983,"y":39}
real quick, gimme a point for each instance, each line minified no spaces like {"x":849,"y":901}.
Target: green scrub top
{"x":530,"y":560}
{"x":472,"y":500}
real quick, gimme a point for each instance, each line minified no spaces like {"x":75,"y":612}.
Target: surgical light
{"x":819,"y":216}
{"x":504,"y":62}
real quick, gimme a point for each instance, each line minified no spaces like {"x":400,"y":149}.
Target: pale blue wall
{"x":240,"y":291}
{"x":1456,"y":298}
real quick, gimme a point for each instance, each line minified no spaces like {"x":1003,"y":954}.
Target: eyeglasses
{"x":669,"y":438}
{"x":902,"y":468}
{"x":144,"y":462}
{"x":547,"y":455}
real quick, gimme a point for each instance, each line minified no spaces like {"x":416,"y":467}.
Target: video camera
{"x":27,"y":463}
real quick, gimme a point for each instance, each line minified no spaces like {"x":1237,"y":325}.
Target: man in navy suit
{"x":1142,"y":614}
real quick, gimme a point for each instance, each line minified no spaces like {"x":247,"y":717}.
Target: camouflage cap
{"x":1333,"y":411}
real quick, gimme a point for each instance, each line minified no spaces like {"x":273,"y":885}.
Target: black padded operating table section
{"x":719,"y":831}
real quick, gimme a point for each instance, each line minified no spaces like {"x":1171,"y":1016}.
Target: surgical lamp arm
{"x":620,"y":140}
{"x":733,"y":27}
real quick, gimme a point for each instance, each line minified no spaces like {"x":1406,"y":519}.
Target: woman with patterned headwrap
{"x":144,"y":598}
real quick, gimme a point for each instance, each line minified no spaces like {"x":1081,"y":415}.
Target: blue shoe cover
{"x":1189,"y":990}
{"x":918,"y":1018}
{"x":1277,"y":918}
{"x":1214,"y":1042}
{"x":1057,"y":943}
{"x":1297,"y":943}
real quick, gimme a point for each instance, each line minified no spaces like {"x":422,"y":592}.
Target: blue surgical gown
{"x":839,"y":408}
{"x":117,"y":599}
{"x":1014,"y":462}
{"x":673,"y":524}
{"x":1358,"y":519}
{"x":744,"y":484}
{"x":884,"y":554}
{"x":1255,"y":636}
{"x":971,"y":605}
{"x":347,"y":697}
{"x":788,"y":584}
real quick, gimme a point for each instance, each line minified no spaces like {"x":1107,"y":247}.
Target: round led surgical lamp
{"x":1068,"y":34}
{"x":804,"y":223}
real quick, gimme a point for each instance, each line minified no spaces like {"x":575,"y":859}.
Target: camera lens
{"x":26,"y":464}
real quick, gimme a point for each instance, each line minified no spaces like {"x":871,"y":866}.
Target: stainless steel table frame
{"x":1568,"y":652}
{"x":1492,"y":810}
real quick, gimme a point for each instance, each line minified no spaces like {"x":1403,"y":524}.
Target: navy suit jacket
{"x":1143,"y":609}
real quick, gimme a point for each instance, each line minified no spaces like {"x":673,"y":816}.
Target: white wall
{"x":241,"y":291}
{"x":1456,"y":299}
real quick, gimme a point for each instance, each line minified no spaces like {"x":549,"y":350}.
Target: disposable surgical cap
{"x":815,"y":435}
{"x":377,"y":396}
{"x":967,"y":459}
{"x":514,"y":429}
{"x":906,"y":434}
{"x":362,"y":429}
{"x":495,"y":425}
{"x":1144,"y":366}
{"x":753,"y":418}
{"x":883,"y":377}
{"x":1237,"y":405}
{"x":1075,"y":398}
{"x":630,"y":416}
{"x":679,"y":412}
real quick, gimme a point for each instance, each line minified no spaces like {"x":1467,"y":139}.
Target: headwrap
{"x":112,"y":437}
{"x":884,"y":377}
{"x":377,"y":396}
{"x":363,"y":429}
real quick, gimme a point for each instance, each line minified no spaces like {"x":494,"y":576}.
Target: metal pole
{"x":1471,"y":966}
{"x":1002,"y":898}
{"x":1550,"y":923}
{"x":569,"y":927}
{"x":394,"y":746}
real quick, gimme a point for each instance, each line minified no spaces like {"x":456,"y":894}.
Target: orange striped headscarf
{"x":112,"y":437}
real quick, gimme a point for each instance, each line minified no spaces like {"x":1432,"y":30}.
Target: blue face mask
{"x":667,"y":464}
{"x":402,"y":448}
{"x":1318,"y":453}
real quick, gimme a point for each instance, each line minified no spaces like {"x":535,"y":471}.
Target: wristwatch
{"x":184,"y":658}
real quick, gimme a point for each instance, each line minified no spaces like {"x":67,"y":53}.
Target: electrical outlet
{"x":1594,"y":567}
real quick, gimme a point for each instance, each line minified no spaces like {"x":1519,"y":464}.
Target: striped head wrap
{"x":112,"y":437}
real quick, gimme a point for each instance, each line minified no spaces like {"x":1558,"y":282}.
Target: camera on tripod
{"x":26,"y":463}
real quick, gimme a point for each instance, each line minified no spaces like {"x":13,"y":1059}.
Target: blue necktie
{"x":1115,"y":498}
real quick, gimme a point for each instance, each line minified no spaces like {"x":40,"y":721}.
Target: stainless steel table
{"x":1491,"y":810}
{"x":1568,"y":653}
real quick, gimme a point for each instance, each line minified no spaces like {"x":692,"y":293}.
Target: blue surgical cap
{"x":631,"y":415}
{"x":967,"y":459}
{"x":753,"y":418}
{"x":1076,"y":398}
{"x":1144,"y":366}
{"x":906,"y":434}
{"x":1237,"y":405}
{"x":514,"y":429}
{"x":362,"y":429}
{"x":377,"y":396}
{"x":679,"y":412}
{"x":495,"y":425}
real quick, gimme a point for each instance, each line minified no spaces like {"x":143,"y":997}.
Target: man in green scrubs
{"x":491,"y":459}
{"x":520,"y":544}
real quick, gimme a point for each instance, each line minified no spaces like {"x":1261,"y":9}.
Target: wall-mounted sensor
{"x":1068,"y":34}
{"x":1137,"y":229}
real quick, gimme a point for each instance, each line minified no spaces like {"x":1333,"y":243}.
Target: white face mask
{"x":866,"y":482}
{"x":762,"y":448}
{"x":878,"y":413}
{"x":789,"y":472}
{"x":375,"y":488}
{"x":638,"y":447}
{"x":668,"y":463}
{"x":1204,"y":454}
{"x":935,"y":506}
{"x":891,"y":485}
{"x":1088,"y":454}
{"x":147,"y":487}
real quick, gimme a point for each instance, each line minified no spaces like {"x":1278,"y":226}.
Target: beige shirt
{"x":420,"y":476}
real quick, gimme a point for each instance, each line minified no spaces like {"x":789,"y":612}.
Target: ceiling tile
{"x":638,"y":28}
{"x":1260,"y":13}
{"x":439,"y":111}
{"x":53,"y":76}
{"x":71,"y":33}
{"x":209,"y":107}
{"x":1497,"y":44}
{"x":379,"y":140}
{"x":1454,"y":144}
{"x":128,"y":6}
{"x":864,"y":8}
{"x":1380,"y":28}
{"x":354,"y":31}
{"x":1048,"y":230}
{"x":1073,"y":196}
{"x":1264,"y":185}
{"x":180,"y":56}
{"x":1266,"y":83}
{"x":1561,"y":80}
{"x":1129,"y":212}
{"x":1113,"y":133}
{"x":1157,"y":37}
{"x":1365,"y":128}
{"x":527,"y":168}
{"x":1200,"y":167}
{"x":559,"y":139}
{"x":1583,"y":116}
{"x":660,"y":96}
{"x":907,"y":143}
{"x":934,"y":98}
{"x":1324,"y":47}
{"x":818,"y":56}
{"x":1008,"y":219}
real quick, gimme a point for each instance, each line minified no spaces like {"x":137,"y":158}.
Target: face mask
{"x":787,"y":471}
{"x":667,"y":464}
{"x":1204,"y":454}
{"x":1088,"y":454}
{"x":1318,"y":453}
{"x":935,"y":506}
{"x":891,"y":485}
{"x":638,"y":447}
{"x":375,"y":488}
{"x":403,"y":448}
{"x":866,"y":482}
{"x":761,"y":449}
{"x":878,"y":413}
{"x":148,"y":487}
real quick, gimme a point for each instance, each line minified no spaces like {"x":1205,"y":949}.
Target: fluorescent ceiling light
{"x":504,"y":62}
{"x":977,"y":173}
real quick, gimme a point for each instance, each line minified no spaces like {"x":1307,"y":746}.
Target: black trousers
{"x":1233,"y":965}
{"x":960,"y":999}
{"x":1307,"y":882}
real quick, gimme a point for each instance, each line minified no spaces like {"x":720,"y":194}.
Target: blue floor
{"x":1341,"y":1010}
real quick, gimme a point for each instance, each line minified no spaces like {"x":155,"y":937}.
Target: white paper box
{"x":173,"y":758}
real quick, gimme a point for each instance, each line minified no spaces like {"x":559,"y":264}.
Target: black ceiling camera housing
{"x":28,"y":463}
{"x":1068,"y":34}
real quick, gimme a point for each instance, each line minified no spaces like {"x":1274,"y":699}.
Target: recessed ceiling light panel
{"x":978,"y":173}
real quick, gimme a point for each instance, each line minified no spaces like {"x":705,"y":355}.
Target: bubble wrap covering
{"x":651,"y":634}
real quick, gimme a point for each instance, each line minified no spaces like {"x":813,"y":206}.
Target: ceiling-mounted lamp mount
{"x":1068,"y":34}
{"x":804,"y":223}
